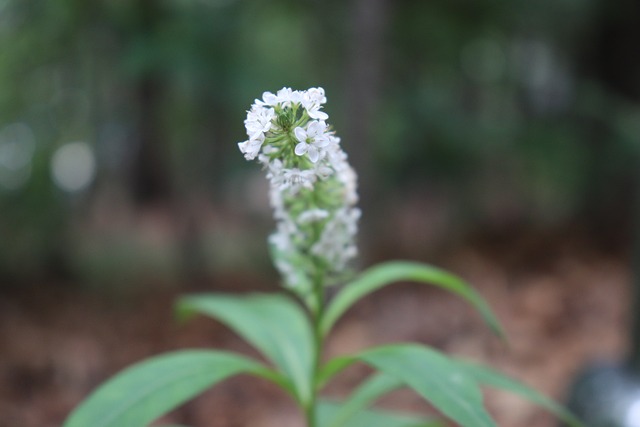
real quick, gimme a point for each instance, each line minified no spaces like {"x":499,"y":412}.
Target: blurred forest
{"x":500,"y":139}
{"x":118,"y":124}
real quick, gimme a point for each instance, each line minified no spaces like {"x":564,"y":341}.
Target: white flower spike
{"x":312,"y":186}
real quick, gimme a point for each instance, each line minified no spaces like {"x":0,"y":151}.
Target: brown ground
{"x":567,"y":308}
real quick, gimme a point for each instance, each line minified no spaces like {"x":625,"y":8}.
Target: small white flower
{"x":312,"y":140}
{"x":323,"y":171}
{"x":274,"y":166}
{"x":286,"y":96}
{"x":269,"y":99}
{"x":312,"y":102}
{"x":251,"y":147}
{"x":316,"y":94}
{"x":258,"y":121}
{"x":280,"y":241}
{"x":295,"y":179}
{"x":315,"y":113}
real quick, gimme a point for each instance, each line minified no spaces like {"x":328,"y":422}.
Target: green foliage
{"x":274,"y":324}
{"x":489,"y":377}
{"x":387,"y":273}
{"x":361,"y":398}
{"x":278,"y":327}
{"x":149,"y":389}
{"x":435,"y":377}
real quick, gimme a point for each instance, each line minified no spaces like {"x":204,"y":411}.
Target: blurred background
{"x":498,"y":139}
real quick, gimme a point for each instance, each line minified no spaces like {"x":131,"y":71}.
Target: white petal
{"x":301,"y":134}
{"x":296,"y":96}
{"x":269,"y":98}
{"x":315,"y":128}
{"x":324,"y":172}
{"x":256,"y":136}
{"x":317,"y":114}
{"x":313,"y":153}
{"x":321,"y":141}
{"x":301,"y":148}
{"x":316,"y":94}
{"x":284,"y":94}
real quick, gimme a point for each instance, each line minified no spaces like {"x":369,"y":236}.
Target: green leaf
{"x":439,"y":380}
{"x":384,"y":274}
{"x":487,"y":376}
{"x":274,"y":324}
{"x":151,"y":388}
{"x":362,"y":397}
{"x":332,"y":368}
{"x":373,"y":418}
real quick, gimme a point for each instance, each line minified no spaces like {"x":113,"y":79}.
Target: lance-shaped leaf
{"x":489,"y":377}
{"x":149,"y":389}
{"x":373,"y":418}
{"x":436,"y":378}
{"x":439,"y":380}
{"x":274,"y":324}
{"x":387,"y":273}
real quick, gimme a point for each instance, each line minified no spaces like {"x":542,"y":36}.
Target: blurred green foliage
{"x":525,"y":110}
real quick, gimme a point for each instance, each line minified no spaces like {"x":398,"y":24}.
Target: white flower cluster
{"x":313,"y":187}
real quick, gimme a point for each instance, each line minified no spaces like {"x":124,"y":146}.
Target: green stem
{"x":316,"y":317}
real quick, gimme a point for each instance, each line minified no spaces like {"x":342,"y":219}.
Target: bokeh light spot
{"x":73,"y":166}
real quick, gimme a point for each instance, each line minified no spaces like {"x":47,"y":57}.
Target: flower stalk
{"x":313,"y":195}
